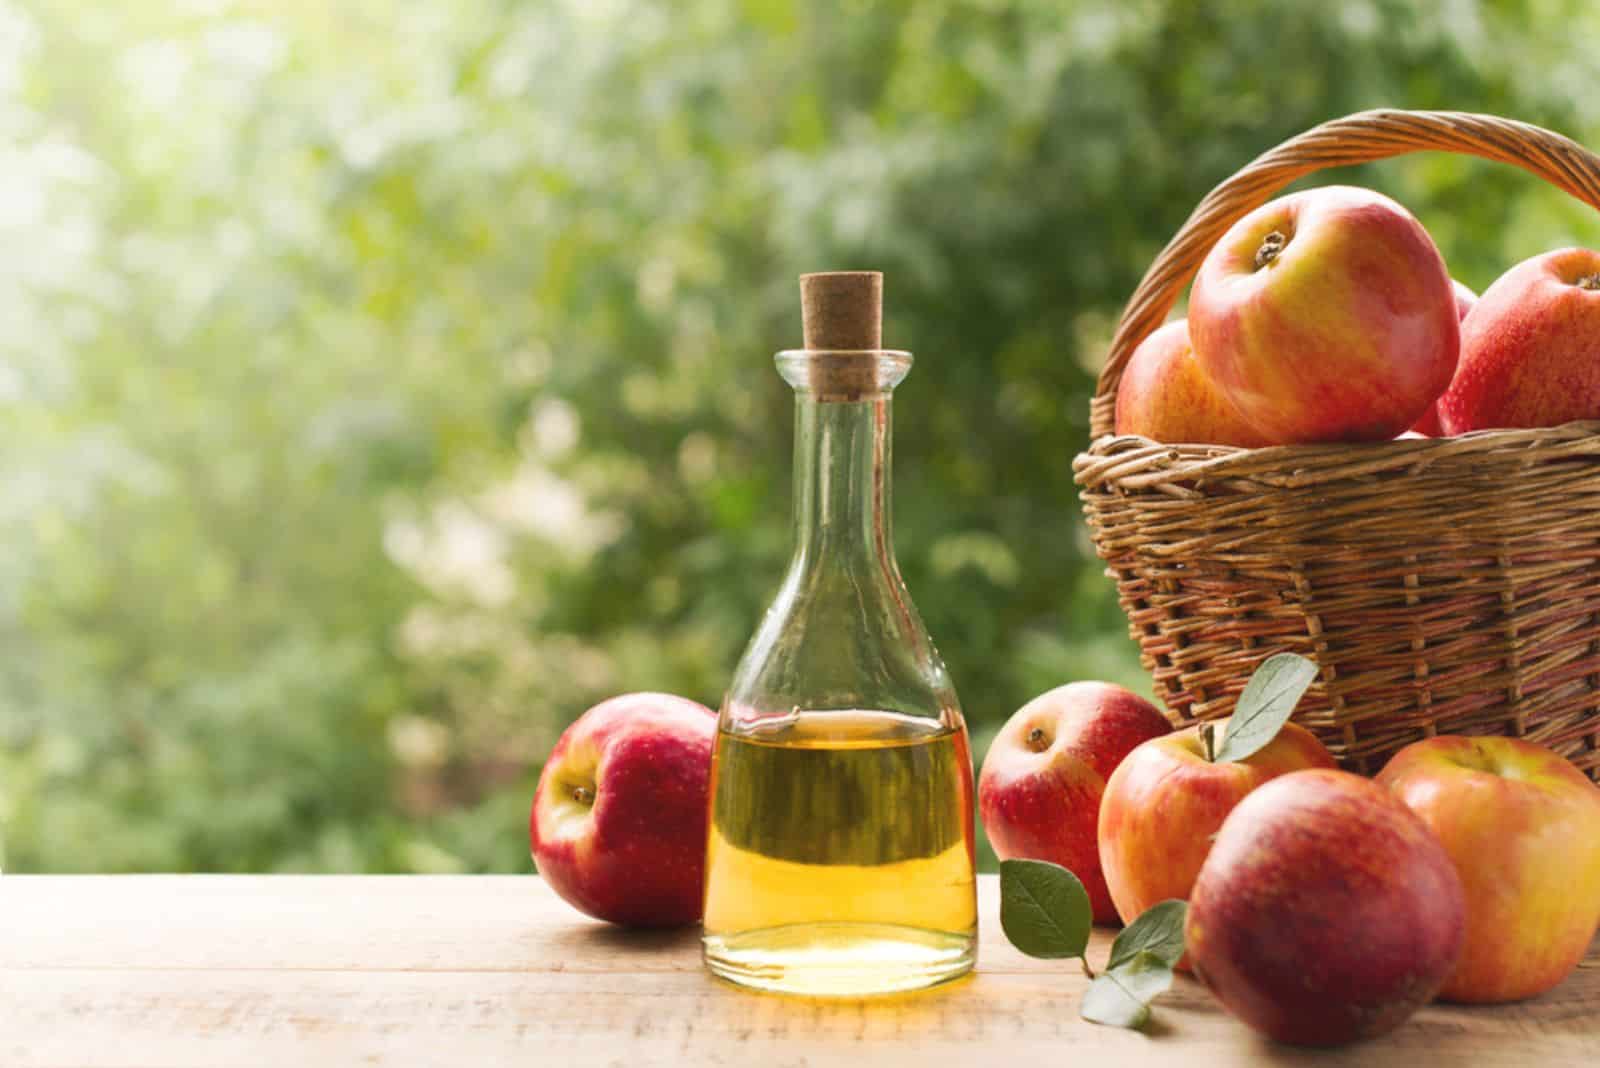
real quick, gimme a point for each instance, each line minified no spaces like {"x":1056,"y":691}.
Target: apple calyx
{"x":1037,"y":740}
{"x":1271,"y":246}
{"x":1589,"y":281}
{"x":583,"y":795}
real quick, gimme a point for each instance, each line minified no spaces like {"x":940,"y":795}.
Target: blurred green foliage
{"x":383,"y":383}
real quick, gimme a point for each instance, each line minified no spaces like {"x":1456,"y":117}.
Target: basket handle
{"x":1358,"y":138}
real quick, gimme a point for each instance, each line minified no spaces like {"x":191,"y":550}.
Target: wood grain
{"x":288,"y":970}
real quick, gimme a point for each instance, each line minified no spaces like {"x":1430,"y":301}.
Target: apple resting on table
{"x":1523,"y":828}
{"x":1166,"y":801}
{"x":619,"y":817}
{"x":1039,"y":793}
{"x":1326,"y":316}
{"x":1326,"y":912}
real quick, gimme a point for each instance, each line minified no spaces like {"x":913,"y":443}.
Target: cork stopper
{"x":842,"y":310}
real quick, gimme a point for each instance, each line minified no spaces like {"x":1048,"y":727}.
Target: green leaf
{"x":1264,"y":707}
{"x":1120,"y":996}
{"x":1044,"y":909}
{"x":1158,"y":931}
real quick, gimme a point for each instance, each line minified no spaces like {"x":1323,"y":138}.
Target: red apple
{"x":1326,"y":912}
{"x":1523,"y":828}
{"x":1326,"y":316}
{"x":1528,"y":349}
{"x":1166,"y":801}
{"x":619,"y":818}
{"x":1428,"y":426}
{"x":1166,"y":397}
{"x":1039,"y":794}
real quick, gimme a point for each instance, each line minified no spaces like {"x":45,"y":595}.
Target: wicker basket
{"x":1446,"y":586}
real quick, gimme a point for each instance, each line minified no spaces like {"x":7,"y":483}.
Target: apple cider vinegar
{"x":841,"y":854}
{"x":839,"y":857}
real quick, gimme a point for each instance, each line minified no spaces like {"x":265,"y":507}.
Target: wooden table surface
{"x":307,"y":971}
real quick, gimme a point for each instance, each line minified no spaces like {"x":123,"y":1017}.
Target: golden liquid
{"x":841,"y":855}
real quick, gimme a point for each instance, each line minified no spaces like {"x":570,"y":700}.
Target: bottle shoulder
{"x":843,"y":638}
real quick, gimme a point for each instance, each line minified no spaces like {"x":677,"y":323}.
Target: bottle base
{"x":840,"y":959}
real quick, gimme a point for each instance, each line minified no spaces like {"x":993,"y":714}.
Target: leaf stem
{"x":1088,"y":972}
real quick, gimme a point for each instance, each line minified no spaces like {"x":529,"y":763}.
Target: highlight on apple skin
{"x":1165,"y":801}
{"x":1326,"y":316}
{"x":1522,"y":825}
{"x":1165,"y":396}
{"x":1042,"y":780}
{"x":1327,"y":911}
{"x":1528,"y":348}
{"x":619,"y":819}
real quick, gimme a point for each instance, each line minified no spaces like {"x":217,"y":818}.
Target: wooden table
{"x":293,"y":971}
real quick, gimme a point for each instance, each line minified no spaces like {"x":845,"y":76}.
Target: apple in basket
{"x":1522,"y":825}
{"x":1326,"y":316}
{"x":1165,"y":396}
{"x":1528,"y":348}
{"x":1428,"y":426}
{"x":619,"y":817}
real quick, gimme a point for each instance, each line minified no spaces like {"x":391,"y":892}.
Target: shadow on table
{"x":673,"y":949}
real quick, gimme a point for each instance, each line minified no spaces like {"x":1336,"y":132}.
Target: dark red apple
{"x":1326,"y":912}
{"x":1530,"y":348}
{"x":1165,"y":396}
{"x":618,"y":826}
{"x":1039,"y":794}
{"x":1326,"y":315}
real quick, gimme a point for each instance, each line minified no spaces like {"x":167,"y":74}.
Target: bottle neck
{"x":841,"y":480}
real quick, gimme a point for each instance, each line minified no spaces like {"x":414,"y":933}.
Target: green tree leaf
{"x":1044,"y":909}
{"x":1121,"y":996}
{"x":1266,"y":704}
{"x":1158,"y":931}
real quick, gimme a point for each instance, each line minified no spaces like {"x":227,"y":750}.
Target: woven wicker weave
{"x":1446,"y":586}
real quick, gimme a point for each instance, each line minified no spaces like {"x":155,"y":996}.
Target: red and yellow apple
{"x":618,"y":826}
{"x":1164,"y":396}
{"x":1165,"y":801}
{"x":1523,"y":828}
{"x":1326,"y":315}
{"x":1428,"y":426}
{"x":1528,"y":348}
{"x":1039,"y":793}
{"x":1326,"y":912}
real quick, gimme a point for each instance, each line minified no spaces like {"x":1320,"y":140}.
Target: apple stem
{"x":1271,"y":245}
{"x":1208,"y":732}
{"x":1589,"y":281}
{"x":1088,"y":972}
{"x":583,"y":795}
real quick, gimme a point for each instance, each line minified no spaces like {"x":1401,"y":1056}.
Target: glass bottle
{"x":840,"y":858}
